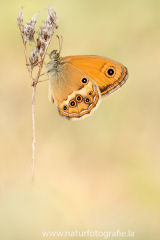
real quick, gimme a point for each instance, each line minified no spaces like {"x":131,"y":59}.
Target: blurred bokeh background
{"x":101,"y":173}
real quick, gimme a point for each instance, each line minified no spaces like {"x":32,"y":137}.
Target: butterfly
{"x":78,"y":83}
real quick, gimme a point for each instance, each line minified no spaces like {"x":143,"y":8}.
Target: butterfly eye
{"x":65,"y":108}
{"x":110,"y":72}
{"x":84,"y":80}
{"x":90,"y":93}
{"x":79,"y":98}
{"x":72,"y":103}
{"x":87,"y":100}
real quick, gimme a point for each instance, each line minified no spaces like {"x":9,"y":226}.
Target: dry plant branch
{"x":37,"y":56}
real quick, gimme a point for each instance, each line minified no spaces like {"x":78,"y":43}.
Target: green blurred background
{"x":101,"y":173}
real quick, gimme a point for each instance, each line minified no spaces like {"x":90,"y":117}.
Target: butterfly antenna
{"x":58,"y":40}
{"x":60,"y":43}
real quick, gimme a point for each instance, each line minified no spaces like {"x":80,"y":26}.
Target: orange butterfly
{"x":78,"y":83}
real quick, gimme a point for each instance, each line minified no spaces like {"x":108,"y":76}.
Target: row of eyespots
{"x":73,"y":103}
{"x":79,"y":98}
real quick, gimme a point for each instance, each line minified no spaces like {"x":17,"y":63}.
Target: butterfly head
{"x":56,"y":61}
{"x":54,"y":55}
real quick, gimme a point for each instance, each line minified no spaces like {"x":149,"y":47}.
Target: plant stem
{"x":44,"y":37}
{"x":33,"y":132}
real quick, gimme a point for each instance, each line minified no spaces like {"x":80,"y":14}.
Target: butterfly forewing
{"x":109,"y":75}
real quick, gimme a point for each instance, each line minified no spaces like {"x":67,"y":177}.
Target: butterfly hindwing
{"x":74,"y":92}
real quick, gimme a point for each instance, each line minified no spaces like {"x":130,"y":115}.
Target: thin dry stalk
{"x":37,"y":57}
{"x":33,"y":132}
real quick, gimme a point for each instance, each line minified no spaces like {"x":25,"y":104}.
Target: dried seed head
{"x":48,"y":27}
{"x":42,"y":50}
{"x":34,"y":57}
{"x":20,"y":17}
{"x":33,"y":20}
{"x":47,"y":30}
{"x":29,"y":29}
{"x":28,"y":32}
{"x":52,"y":17}
{"x":44,"y":33}
{"x":41,"y":45}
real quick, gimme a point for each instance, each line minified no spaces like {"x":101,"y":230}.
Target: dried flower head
{"x":52,"y":17}
{"x":20,"y":17}
{"x":34,"y":57}
{"x":29,"y":29}
{"x":47,"y":31}
{"x":41,"y":45}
